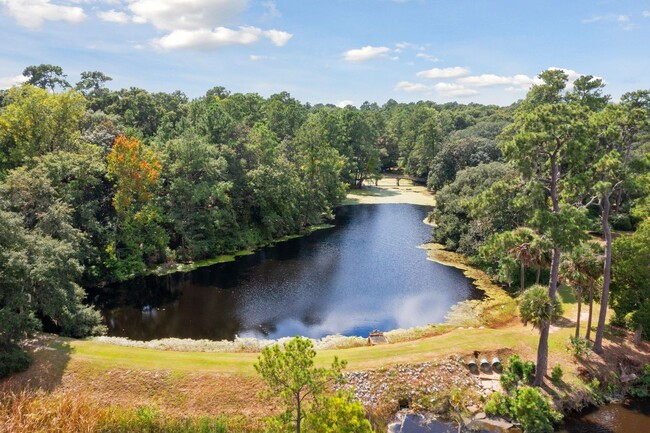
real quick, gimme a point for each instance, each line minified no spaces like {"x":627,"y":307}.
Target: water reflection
{"x":633,"y":416}
{"x":365,"y":273}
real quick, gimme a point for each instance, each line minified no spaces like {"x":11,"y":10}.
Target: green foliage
{"x":580,"y":346}
{"x":338,"y":414}
{"x":13,"y":360}
{"x":535,"y":306}
{"x":526,"y":406}
{"x":290,"y":374}
{"x":455,"y":226}
{"x":631,"y":279}
{"x":466,"y":148}
{"x":37,"y":122}
{"x":556,"y":374}
{"x":641,"y":387}
{"x":517,"y":372}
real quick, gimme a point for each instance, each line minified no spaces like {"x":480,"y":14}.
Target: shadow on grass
{"x":50,"y":356}
{"x":567,"y":296}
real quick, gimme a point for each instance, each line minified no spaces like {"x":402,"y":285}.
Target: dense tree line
{"x":99,"y":185}
{"x":573,"y":163}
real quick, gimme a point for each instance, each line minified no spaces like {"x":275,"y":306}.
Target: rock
{"x":625,"y":378}
{"x":480,"y":415}
{"x":490,"y":425}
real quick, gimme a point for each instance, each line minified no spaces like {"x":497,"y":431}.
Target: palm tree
{"x":579,"y":269}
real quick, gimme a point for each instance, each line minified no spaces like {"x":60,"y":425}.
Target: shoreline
{"x":495,"y":309}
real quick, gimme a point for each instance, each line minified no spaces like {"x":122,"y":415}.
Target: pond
{"x":365,"y":273}
{"x":628,"y":417}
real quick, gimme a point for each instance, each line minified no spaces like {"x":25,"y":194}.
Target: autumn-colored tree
{"x":135,"y":170}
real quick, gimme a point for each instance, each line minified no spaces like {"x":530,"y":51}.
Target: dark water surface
{"x":365,"y":273}
{"x":631,"y":417}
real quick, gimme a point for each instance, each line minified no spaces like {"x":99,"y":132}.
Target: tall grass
{"x":39,"y":412}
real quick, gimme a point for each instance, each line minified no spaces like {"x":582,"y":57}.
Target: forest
{"x":100,"y":185}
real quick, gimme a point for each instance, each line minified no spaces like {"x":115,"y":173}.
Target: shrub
{"x":517,"y":372}
{"x":338,"y":414}
{"x":527,"y":406}
{"x":13,"y":360}
{"x":580,"y":346}
{"x":641,"y":386}
{"x":556,"y":374}
{"x":533,"y":411}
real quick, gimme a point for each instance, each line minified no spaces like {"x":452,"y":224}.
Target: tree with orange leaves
{"x":140,"y":240}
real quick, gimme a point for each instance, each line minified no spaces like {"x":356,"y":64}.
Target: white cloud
{"x":593,"y":19}
{"x":113,"y":16}
{"x":407,"y":86}
{"x":344,"y":103}
{"x":7,"y":82}
{"x":428,"y":57}
{"x":257,"y":58}
{"x":208,"y":39}
{"x":623,"y":21}
{"x":646,"y":14}
{"x":32,"y":13}
{"x":365,"y":53}
{"x":437,"y":73}
{"x":190,"y":15}
{"x":272,"y":10}
{"x":200,"y":24}
{"x":453,"y":89}
{"x":519,"y":81}
{"x":278,"y":37}
{"x":573,"y":75}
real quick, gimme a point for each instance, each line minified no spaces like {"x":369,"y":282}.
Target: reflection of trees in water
{"x":365,"y":273}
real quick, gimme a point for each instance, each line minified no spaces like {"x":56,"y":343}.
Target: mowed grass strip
{"x":461,"y":341}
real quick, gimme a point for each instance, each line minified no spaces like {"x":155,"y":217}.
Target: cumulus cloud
{"x":32,"y":13}
{"x":113,"y":16}
{"x":344,"y":103}
{"x":189,"y":15}
{"x":278,"y":37}
{"x":441,"y":73}
{"x":201,"y":24}
{"x":407,"y":86}
{"x":7,"y":82}
{"x":520,"y":81}
{"x":453,"y":89}
{"x":366,"y":53}
{"x":205,"y":39}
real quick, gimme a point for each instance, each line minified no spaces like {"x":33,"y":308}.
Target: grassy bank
{"x":388,"y":192}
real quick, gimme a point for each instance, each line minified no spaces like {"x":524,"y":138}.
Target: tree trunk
{"x":579,"y":296}
{"x":539,"y":273}
{"x":542,"y":347}
{"x":607,"y":273}
{"x":591,"y":310}
{"x":542,"y":354}
{"x":298,"y":414}
{"x":522,"y":275}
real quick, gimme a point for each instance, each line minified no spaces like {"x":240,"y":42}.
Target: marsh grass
{"x":39,"y":412}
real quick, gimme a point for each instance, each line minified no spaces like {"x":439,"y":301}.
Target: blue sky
{"x":332,"y":51}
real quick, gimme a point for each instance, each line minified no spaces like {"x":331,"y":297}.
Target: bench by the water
{"x":377,"y":337}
